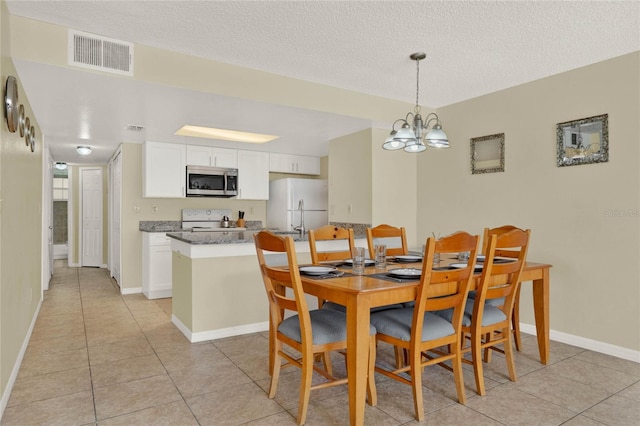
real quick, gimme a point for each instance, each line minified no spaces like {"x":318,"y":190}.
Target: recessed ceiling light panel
{"x":224,"y":134}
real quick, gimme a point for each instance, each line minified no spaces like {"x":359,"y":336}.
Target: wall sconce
{"x":83,"y":150}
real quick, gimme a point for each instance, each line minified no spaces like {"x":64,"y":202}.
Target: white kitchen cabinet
{"x":156,"y":265}
{"x":210,"y":156}
{"x":253,"y":175}
{"x":163,"y":174}
{"x":299,"y":164}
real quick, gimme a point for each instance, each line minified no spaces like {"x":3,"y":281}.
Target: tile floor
{"x":96,"y":357}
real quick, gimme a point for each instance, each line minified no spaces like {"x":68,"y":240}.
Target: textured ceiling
{"x":473,"y":47}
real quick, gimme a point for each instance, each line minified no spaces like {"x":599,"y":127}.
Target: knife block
{"x":240,"y":223}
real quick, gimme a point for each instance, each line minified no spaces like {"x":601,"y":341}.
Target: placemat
{"x":385,"y":276}
{"x":330,"y":275}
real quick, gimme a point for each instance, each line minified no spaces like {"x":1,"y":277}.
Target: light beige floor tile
{"x":73,"y":409}
{"x":126,"y":370}
{"x":56,"y":344}
{"x":615,"y":411}
{"x":122,"y":349}
{"x":512,"y":407}
{"x":216,"y":376}
{"x":162,"y":340}
{"x":72,"y":328}
{"x":454,"y":415}
{"x":284,"y":418}
{"x":582,"y":420}
{"x":243,"y":345}
{"x":52,"y":362}
{"x":46,"y":386}
{"x":133,"y":396}
{"x":335,"y":411}
{"x":255,"y":366}
{"x":604,"y":378}
{"x":559,"y":390}
{"x":170,"y":414}
{"x":108,"y":338}
{"x":233,"y":406}
{"x":624,"y":366}
{"x":632,"y":392}
{"x":194,"y":356}
{"x":396,"y":399}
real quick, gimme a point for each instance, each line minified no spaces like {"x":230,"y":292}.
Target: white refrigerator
{"x":283,"y":207}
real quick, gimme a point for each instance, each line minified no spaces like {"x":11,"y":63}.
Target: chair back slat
{"x":331,"y":233}
{"x":395,"y":239}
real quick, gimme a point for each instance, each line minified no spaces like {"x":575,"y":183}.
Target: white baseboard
{"x":16,"y":366}
{"x":130,"y":290}
{"x":582,"y":342}
{"x":203,"y":336}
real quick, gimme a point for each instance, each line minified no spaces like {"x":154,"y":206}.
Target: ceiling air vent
{"x":100,"y":53}
{"x":135,"y":128}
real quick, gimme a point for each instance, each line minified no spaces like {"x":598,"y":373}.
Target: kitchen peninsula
{"x":217,"y":286}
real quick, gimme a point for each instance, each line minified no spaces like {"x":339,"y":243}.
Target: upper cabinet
{"x":210,"y":156}
{"x":163,"y":174}
{"x":298,"y":164}
{"x":253,"y":175}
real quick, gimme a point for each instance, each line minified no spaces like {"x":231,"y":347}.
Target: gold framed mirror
{"x":583,"y":141}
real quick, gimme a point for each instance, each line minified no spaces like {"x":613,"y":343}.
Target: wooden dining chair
{"x":419,"y":331}
{"x":307,"y":332}
{"x":488,"y":325}
{"x":394,"y":238}
{"x":515,"y":319}
{"x":331,"y":233}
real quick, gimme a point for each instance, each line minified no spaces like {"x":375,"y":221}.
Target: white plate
{"x":408,"y":258}
{"x":464,"y":265}
{"x":405,"y":272}
{"x":481,"y":258}
{"x":367,"y":262}
{"x":316,"y":270}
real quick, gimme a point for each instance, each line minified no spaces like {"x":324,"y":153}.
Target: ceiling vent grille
{"x":100,"y":53}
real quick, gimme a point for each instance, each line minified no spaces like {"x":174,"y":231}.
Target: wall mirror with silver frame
{"x":487,"y":154}
{"x":583,"y":141}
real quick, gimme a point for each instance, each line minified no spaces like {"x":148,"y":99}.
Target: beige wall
{"x":584,"y":219}
{"x":20,"y":225}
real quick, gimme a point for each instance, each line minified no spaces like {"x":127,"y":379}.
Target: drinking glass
{"x":358,"y":260}
{"x":463,"y":256}
{"x":380,"y":251}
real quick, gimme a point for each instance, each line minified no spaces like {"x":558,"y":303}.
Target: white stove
{"x":206,"y":220}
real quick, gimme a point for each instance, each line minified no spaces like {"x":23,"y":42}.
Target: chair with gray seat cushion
{"x":419,"y":331}
{"x":307,"y":332}
{"x":486,"y":325}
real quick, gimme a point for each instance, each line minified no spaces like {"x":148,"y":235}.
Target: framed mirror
{"x":487,"y":154}
{"x":583,"y":141}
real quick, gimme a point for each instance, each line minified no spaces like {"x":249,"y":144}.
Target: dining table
{"x":360,"y":293}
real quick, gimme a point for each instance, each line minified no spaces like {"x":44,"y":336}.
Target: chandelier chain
{"x":417,"y":108}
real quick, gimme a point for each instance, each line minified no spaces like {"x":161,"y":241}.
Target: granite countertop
{"x":230,"y":237}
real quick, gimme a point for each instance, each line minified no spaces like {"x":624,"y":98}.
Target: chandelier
{"x":410,"y":135}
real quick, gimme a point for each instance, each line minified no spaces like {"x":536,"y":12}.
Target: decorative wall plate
{"x":11,"y":103}
{"x":32,"y":139}
{"x":21,"y":120}
{"x":27,"y":129}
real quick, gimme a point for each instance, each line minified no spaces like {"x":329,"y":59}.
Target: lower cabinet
{"x":156,"y":265}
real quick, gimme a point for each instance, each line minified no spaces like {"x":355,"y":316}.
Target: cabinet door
{"x":163,"y":170}
{"x":298,"y":164}
{"x":308,"y":165}
{"x":253,"y":175}
{"x":222,"y":157}
{"x":199,"y":155}
{"x":281,"y":163}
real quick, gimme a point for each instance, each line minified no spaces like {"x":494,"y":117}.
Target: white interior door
{"x":91,"y":228}
{"x":47,"y":219}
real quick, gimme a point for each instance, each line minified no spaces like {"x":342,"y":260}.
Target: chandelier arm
{"x":393,"y":126}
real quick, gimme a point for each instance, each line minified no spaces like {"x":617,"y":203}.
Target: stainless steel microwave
{"x":211,"y":182}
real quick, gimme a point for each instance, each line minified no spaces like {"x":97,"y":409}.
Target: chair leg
{"x":305,"y":386}
{"x":372,"y":393}
{"x":275,"y":374}
{"x":326,"y":360}
{"x":401,"y":357}
{"x":457,"y":372}
{"x":476,"y":356}
{"x":487,"y":351}
{"x":508,"y":354}
{"x":515,"y":320}
{"x":415,"y":358}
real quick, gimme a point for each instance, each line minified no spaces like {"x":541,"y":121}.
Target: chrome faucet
{"x":301,"y":228}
